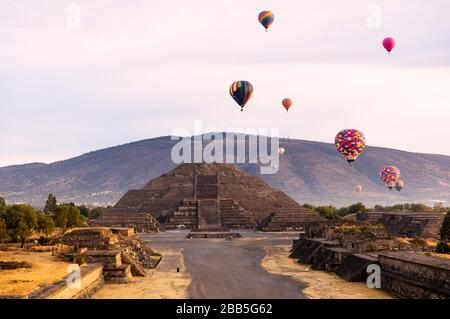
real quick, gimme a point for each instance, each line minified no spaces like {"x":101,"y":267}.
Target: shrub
{"x":445,"y":230}
{"x":443,"y":248}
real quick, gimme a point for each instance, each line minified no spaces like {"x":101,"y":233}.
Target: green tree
{"x":21,"y":221}
{"x":67,"y":216}
{"x":309,"y":206}
{"x":84,"y":211}
{"x":357,"y":208}
{"x":50,"y":204}
{"x":45,"y":224}
{"x":343,"y":211}
{"x":96,"y":212}
{"x":329,"y":212}
{"x":4,"y":236}
{"x":445,"y":229}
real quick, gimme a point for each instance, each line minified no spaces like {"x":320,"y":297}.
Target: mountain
{"x":310,"y":172}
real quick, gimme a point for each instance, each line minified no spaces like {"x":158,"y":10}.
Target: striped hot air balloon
{"x":266,"y":19}
{"x":241,"y":92}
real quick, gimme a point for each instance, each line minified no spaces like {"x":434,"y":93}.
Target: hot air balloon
{"x":350,"y":143}
{"x":241,"y":91}
{"x":281,"y":151}
{"x":287,"y":103}
{"x":390,"y":175}
{"x":389,"y":44}
{"x":399,"y":185}
{"x":266,"y":19}
{"x":358,"y":188}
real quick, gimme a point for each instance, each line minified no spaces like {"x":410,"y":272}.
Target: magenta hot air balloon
{"x":389,"y":44}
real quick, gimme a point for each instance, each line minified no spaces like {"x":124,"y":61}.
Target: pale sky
{"x":141,"y":69}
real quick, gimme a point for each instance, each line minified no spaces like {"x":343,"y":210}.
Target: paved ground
{"x":222,"y":268}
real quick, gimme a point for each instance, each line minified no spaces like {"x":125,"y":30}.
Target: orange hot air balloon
{"x":287,"y":103}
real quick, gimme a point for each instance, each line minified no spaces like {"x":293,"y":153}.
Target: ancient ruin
{"x":408,"y":270}
{"x":122,"y":253}
{"x":207,"y":197}
{"x":425,"y":225}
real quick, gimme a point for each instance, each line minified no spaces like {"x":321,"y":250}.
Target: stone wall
{"x":91,"y":280}
{"x":415,"y":276}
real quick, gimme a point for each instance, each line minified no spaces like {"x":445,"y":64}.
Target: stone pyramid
{"x":209,"y":197}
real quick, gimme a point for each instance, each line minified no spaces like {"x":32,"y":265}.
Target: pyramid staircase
{"x":353,"y":268}
{"x":208,"y":215}
{"x":185,"y":217}
{"x":233,"y":216}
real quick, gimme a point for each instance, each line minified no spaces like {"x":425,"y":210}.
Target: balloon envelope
{"x":389,"y":44}
{"x":390,"y":175}
{"x":266,"y":19}
{"x":358,"y":188}
{"x":241,"y":92}
{"x":399,"y":186}
{"x":350,"y":143}
{"x":287,"y":103}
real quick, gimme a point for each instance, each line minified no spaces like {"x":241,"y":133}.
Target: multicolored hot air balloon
{"x":350,"y":143}
{"x":358,"y":188}
{"x":389,"y":44}
{"x":281,"y":151}
{"x":399,"y":185}
{"x":390,"y":175}
{"x":266,"y":19}
{"x":287,"y":103}
{"x":241,"y":91}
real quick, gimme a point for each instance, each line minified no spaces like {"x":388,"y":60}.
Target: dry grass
{"x":161,"y":283}
{"x":423,"y":242}
{"x":46,"y":269}
{"x":320,"y":284}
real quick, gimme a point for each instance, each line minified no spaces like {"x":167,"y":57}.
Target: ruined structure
{"x":408,"y":224}
{"x":208,"y":197}
{"x":348,"y":250}
{"x":121,"y":253}
{"x":409,"y":275}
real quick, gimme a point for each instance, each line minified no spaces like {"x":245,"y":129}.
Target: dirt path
{"x":229,"y":268}
{"x":161,"y":283}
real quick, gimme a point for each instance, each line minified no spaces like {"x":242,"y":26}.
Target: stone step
{"x":353,"y":268}
{"x":136,"y":267}
{"x":117,"y":275}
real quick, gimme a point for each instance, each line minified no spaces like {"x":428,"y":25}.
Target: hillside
{"x":310,"y":172}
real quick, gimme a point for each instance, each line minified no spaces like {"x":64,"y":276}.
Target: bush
{"x":443,"y":248}
{"x":329,"y":212}
{"x":445,"y":230}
